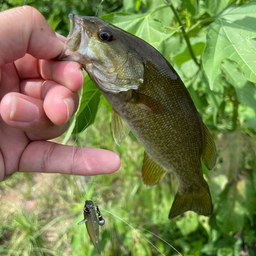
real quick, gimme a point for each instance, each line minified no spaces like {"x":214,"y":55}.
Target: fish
{"x":148,"y":98}
{"x":92,"y":222}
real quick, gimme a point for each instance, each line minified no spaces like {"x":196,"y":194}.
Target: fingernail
{"x":23,"y":110}
{"x":70,"y":107}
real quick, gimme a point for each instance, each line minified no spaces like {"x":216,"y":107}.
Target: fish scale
{"x":147,"y":97}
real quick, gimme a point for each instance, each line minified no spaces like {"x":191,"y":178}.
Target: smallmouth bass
{"x":147,"y":97}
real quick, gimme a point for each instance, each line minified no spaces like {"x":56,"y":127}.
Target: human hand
{"x":38,"y":97}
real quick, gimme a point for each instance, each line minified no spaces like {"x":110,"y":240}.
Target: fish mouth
{"x":75,"y":25}
{"x":77,"y":40}
{"x":71,"y":21}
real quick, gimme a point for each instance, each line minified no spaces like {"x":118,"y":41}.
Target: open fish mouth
{"x":71,"y":21}
{"x":77,"y":40}
{"x":75,"y":25}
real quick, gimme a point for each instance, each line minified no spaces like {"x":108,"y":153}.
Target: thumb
{"x":25,"y":30}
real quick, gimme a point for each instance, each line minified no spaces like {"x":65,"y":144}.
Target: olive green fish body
{"x":148,"y":98}
{"x":171,"y":133}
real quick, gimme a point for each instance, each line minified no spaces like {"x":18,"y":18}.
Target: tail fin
{"x":198,"y":201}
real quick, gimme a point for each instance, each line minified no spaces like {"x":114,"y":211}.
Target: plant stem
{"x":235,"y":114}
{"x":184,"y":34}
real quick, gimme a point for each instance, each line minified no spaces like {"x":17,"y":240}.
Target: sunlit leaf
{"x":188,"y":224}
{"x":232,"y":35}
{"x":87,"y":109}
{"x":215,"y":6}
{"x":230,"y":215}
{"x":141,"y":25}
{"x":185,"y":56}
{"x":226,"y":251}
{"x":53,"y":22}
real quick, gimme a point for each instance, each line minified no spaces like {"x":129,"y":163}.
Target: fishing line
{"x":79,"y":179}
{"x":78,"y":145}
{"x":163,"y":241}
{"x":142,"y":234}
{"x":96,"y":13}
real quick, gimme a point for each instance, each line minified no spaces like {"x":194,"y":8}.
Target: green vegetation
{"x":212,"y":45}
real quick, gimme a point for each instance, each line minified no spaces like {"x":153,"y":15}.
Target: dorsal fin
{"x":209,"y":154}
{"x":119,"y":128}
{"x":151,"y":172}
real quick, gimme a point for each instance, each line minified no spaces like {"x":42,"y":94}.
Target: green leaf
{"x":215,"y":96}
{"x":230,"y":214}
{"x":191,"y":6}
{"x":137,"y":4}
{"x":128,"y":5}
{"x":247,"y":95}
{"x":91,"y":100}
{"x":232,"y":73}
{"x":215,"y":6}
{"x":232,"y":36}
{"x":87,"y":109}
{"x":189,"y":224}
{"x":251,"y":123}
{"x":142,"y":25}
{"x":197,"y":48}
{"x":16,"y":2}
{"x":226,"y":251}
{"x":52,"y":22}
{"x":245,"y":90}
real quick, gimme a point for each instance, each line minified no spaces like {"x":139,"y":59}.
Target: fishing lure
{"x":92,"y":222}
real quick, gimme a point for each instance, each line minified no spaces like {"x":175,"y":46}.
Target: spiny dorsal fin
{"x":151,"y":172}
{"x":198,"y":201}
{"x":209,"y":154}
{"x":119,"y":128}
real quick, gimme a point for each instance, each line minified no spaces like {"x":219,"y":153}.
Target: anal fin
{"x":151,"y":172}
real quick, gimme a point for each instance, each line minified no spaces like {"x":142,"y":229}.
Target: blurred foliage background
{"x":212,"y":46}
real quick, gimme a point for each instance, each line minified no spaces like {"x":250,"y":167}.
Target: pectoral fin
{"x":146,"y":102}
{"x":198,"y":201}
{"x":209,"y":154}
{"x":119,"y":128}
{"x":151,"y":172}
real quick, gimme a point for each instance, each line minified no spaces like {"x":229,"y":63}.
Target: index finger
{"x":49,"y":157}
{"x":66,"y":73}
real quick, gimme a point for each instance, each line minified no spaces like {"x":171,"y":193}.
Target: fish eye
{"x":105,"y":35}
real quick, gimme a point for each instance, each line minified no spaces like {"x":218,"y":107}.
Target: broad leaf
{"x":215,"y":6}
{"x":232,"y":36}
{"x":185,"y":55}
{"x":189,"y":224}
{"x":87,"y":109}
{"x":245,"y":90}
{"x":142,"y":25}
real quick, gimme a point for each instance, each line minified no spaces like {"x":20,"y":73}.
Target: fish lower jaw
{"x":88,"y":68}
